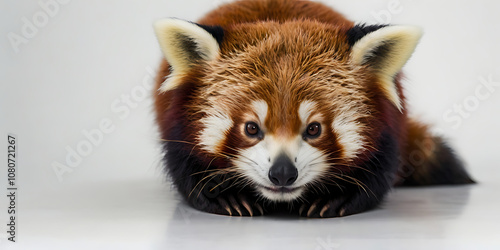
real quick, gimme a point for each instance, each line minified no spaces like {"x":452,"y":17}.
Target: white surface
{"x":79,"y":68}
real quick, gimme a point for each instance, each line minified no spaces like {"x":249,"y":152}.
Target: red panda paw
{"x":322,"y":208}
{"x":237,"y":205}
{"x":338,"y":207}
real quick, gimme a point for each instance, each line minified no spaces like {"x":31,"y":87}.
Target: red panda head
{"x":288,"y":105}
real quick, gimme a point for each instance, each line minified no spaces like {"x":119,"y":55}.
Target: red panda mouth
{"x":280,"y":193}
{"x":281,"y":189}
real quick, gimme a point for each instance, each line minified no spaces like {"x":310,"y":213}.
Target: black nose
{"x":283,"y":172}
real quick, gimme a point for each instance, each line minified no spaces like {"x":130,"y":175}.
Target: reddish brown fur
{"x":319,"y":70}
{"x":251,"y":12}
{"x":276,"y":10}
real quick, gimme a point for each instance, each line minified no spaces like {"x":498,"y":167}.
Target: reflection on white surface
{"x":147,"y":214}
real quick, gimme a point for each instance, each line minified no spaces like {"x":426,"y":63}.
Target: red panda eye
{"x":313,"y":130}
{"x":252,"y":129}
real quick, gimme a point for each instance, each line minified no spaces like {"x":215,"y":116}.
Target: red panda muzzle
{"x":283,"y":172}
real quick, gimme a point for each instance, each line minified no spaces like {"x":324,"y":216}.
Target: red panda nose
{"x":283,"y":172}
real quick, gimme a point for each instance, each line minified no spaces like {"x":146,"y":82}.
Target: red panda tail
{"x":428,"y":160}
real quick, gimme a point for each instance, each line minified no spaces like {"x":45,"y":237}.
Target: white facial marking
{"x":288,"y":196}
{"x":216,"y":126}
{"x":311,"y":164}
{"x":347,"y":130}
{"x":254,"y":164}
{"x":260,"y":108}
{"x":275,"y":147}
{"x":305,"y":110}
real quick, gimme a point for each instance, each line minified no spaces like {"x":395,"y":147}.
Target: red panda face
{"x":287,"y":109}
{"x":290,"y":106}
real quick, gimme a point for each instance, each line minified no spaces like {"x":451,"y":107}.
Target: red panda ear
{"x":185,"y":44}
{"x":384,"y":49}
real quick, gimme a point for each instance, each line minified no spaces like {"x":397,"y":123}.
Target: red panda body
{"x":269,"y":103}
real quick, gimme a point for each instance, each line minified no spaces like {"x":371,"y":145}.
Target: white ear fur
{"x":183,"y":44}
{"x":386,"y":50}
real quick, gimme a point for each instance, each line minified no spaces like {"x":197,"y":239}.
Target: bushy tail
{"x":428,"y":160}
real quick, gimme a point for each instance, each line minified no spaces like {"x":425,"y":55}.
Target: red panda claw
{"x":246,"y":205}
{"x":235,"y":205}
{"x":224,"y":204}
{"x":312,"y":208}
{"x":324,"y":209}
{"x":259,"y":208}
{"x":342,"y":212}
{"x":301,"y":209}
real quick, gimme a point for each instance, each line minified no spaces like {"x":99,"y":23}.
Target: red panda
{"x":280,"y":104}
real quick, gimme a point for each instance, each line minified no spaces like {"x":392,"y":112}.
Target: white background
{"x":83,"y":57}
